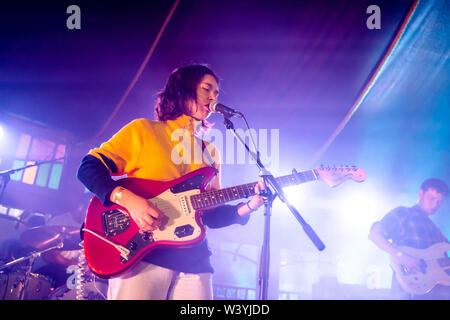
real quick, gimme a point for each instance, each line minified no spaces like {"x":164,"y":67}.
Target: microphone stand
{"x":268,"y":196}
{"x":5,"y":175}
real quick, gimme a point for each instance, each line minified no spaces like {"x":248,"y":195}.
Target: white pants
{"x":150,"y":282}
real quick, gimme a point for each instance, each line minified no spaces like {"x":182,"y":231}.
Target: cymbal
{"x":45,"y":237}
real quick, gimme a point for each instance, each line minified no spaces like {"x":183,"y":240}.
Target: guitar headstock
{"x":334,"y":176}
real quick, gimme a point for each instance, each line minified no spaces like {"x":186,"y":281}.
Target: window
{"x":31,"y":150}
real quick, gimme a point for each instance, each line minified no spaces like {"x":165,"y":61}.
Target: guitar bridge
{"x":137,"y":243}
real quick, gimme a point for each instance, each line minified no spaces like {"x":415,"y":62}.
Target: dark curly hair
{"x":181,"y":87}
{"x":435,"y":183}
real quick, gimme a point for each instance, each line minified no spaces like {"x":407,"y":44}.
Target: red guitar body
{"x":112,"y":241}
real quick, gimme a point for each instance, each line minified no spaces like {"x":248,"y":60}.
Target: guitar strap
{"x":210,"y":158}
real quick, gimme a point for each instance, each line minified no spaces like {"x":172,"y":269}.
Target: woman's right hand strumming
{"x":143,"y":213}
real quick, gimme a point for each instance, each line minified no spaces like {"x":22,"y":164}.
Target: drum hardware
{"x":31,"y":258}
{"x":44,"y":239}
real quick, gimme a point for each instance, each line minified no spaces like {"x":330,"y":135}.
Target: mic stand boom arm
{"x":268,"y":199}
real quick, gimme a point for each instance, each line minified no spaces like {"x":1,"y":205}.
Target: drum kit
{"x":49,"y":242}
{"x":26,"y":285}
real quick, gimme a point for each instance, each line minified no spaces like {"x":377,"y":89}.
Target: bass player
{"x":411,"y":227}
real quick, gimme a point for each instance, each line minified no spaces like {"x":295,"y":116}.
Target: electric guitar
{"x":114,"y":244}
{"x":434,"y":268}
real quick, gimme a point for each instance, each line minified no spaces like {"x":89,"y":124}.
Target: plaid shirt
{"x":411,"y":227}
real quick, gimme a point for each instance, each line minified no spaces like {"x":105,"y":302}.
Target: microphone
{"x":216,"y":107}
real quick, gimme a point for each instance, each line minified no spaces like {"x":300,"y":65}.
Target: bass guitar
{"x":434,"y":268}
{"x":114,"y":244}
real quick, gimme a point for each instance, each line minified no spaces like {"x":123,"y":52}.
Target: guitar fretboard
{"x":217,"y":197}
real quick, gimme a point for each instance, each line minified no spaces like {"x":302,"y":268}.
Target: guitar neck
{"x":217,"y":197}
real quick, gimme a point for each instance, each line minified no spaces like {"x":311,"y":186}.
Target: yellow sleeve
{"x":123,"y":148}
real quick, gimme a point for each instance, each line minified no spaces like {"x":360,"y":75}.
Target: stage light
{"x":4,"y":148}
{"x":296,"y":195}
{"x":360,"y":208}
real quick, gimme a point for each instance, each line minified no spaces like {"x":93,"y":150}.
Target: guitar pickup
{"x":184,"y":205}
{"x":184,"y":231}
